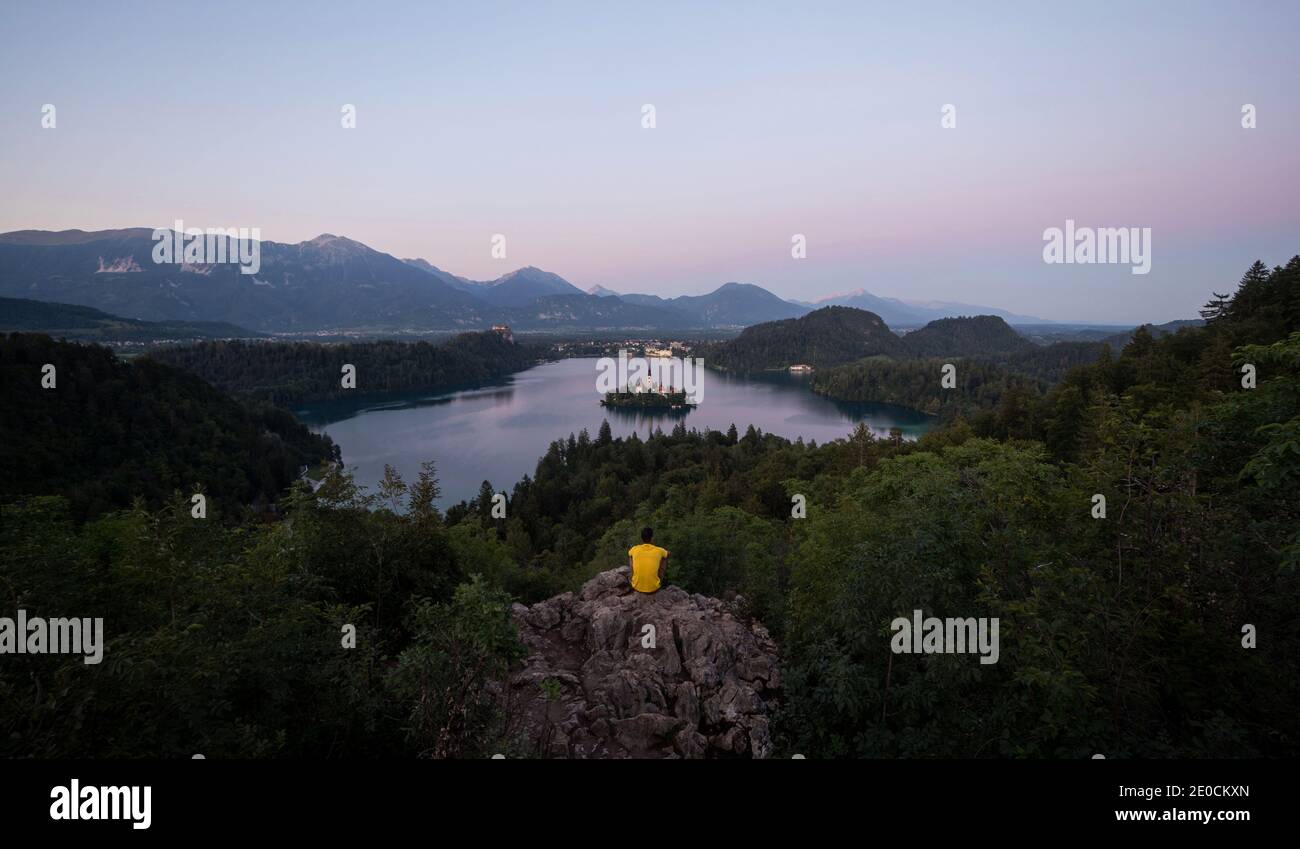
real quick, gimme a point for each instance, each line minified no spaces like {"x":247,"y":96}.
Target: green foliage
{"x":227,"y":639}
{"x":642,"y":400}
{"x":78,"y":322}
{"x":559,"y":517}
{"x":858,"y":359}
{"x":965,"y":337}
{"x":284,"y":373}
{"x":826,"y":337}
{"x":1048,"y":363}
{"x":112,"y":431}
{"x":916,"y":384}
{"x":457,"y":649}
{"x":724,"y":551}
{"x":216,"y":641}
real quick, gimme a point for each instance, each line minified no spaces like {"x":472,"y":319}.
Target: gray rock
{"x":686,"y":703}
{"x":690,"y":743}
{"x":545,"y":615}
{"x":646,"y":731}
{"x":703,"y":689}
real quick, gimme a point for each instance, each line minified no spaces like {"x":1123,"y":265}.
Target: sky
{"x":771,"y":120}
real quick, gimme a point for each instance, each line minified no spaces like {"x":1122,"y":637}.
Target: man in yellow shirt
{"x":646,"y":562}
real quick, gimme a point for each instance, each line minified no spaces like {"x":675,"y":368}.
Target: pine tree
{"x":1214,"y":367}
{"x":1286,"y":288}
{"x":483,"y":503}
{"x":1216,"y":309}
{"x":1141,"y":344}
{"x":1252,"y":293}
{"x":425,"y":491}
{"x":862,"y":438}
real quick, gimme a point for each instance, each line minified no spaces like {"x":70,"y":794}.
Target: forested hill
{"x":78,"y":322}
{"x":980,"y":386}
{"x":834,"y":336}
{"x":995,"y":367}
{"x":857,"y":358}
{"x":980,"y":335}
{"x":984,"y":382}
{"x":111,"y":431}
{"x":822,"y":338}
{"x":286,"y":373}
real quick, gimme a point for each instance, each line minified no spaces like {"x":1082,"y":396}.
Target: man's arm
{"x":662,"y":562}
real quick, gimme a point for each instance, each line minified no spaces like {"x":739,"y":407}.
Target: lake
{"x":498,"y":431}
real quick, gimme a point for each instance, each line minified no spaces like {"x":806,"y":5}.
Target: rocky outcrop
{"x":612,"y":673}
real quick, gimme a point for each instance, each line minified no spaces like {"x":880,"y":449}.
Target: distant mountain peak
{"x":521,"y":286}
{"x":333,"y":249}
{"x":531,"y":272}
{"x":329,"y":239}
{"x":897,"y":312}
{"x":852,"y":293}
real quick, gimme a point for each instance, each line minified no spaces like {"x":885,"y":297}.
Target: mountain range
{"x":335,"y":283}
{"x":898,"y":313}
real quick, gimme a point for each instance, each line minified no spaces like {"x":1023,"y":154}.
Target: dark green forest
{"x":285,"y":373}
{"x":647,"y":400}
{"x":988,"y":381}
{"x":110,"y":432}
{"x":981,"y":387}
{"x":78,"y":322}
{"x":857,"y":358}
{"x":965,"y":337}
{"x":826,"y":337}
{"x":1049,"y":363}
{"x":1120,"y":635}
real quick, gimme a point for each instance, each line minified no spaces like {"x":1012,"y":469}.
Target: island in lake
{"x":649,"y":399}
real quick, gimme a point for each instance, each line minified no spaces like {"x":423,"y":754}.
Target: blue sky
{"x":771,"y":120}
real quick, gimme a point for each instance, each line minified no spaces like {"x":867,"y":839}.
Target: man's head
{"x":647,"y":534}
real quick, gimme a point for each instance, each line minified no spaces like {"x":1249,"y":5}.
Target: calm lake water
{"x":497,"y":432}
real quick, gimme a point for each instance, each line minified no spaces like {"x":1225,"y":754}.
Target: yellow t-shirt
{"x":645,"y":566}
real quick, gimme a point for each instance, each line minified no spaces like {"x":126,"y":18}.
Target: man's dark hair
{"x":647,"y":534}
